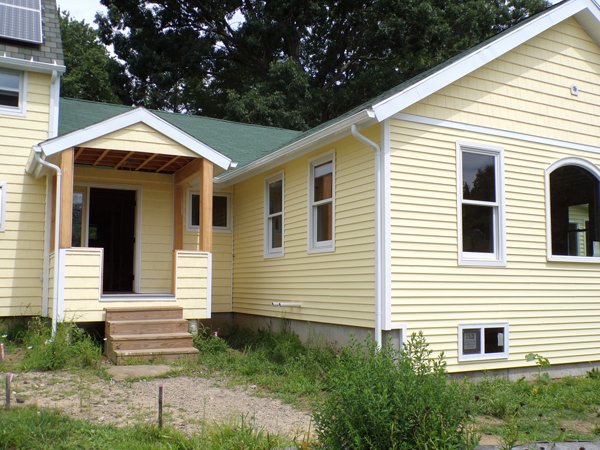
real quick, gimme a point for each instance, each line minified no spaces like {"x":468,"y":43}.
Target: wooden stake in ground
{"x":1,"y":351}
{"x":160,"y":405}
{"x":9,"y":377}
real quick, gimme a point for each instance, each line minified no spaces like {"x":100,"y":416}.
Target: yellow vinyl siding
{"x":156,"y":220}
{"x":222,"y":260}
{"x":141,"y":138}
{"x":552,"y":308}
{"x":82,"y":281}
{"x":527,"y":90}
{"x":334,"y":287}
{"x":21,"y":244}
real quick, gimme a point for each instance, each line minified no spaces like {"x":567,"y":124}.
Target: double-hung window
{"x":480,"y":205}
{"x":321,"y":200}
{"x":11,"y":92}
{"x":274,"y":216}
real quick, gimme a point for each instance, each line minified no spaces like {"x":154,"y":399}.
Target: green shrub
{"x":207,"y":342}
{"x":385,"y":399}
{"x":69,"y":347}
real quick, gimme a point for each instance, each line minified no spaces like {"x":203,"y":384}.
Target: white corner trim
{"x":269,"y":252}
{"x":54,"y":105}
{"x":496,"y":132}
{"x":128,"y":118}
{"x":59,"y":312}
{"x":209,"y":285}
{"x":472,"y":61}
{"x":386,"y":208}
{"x":312,"y":245}
{"x":569,"y":161}
{"x":3,"y":194}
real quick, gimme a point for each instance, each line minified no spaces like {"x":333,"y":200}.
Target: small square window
{"x":11,"y":92}
{"x":487,"y":341}
{"x":221,"y":211}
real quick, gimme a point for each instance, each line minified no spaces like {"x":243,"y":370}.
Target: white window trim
{"x":498,"y":258}
{"x":22,"y":108}
{"x":313,"y":245}
{"x":3,"y":190}
{"x":190,"y":227}
{"x":271,"y":252}
{"x":482,"y":356}
{"x":569,"y":161}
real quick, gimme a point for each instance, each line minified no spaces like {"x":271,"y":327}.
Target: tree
{"x":91,"y":73}
{"x":290,"y":63}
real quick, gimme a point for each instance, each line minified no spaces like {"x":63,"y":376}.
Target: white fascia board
{"x":30,"y":66}
{"x":297,"y":148}
{"x":129,"y":118}
{"x":587,"y":11}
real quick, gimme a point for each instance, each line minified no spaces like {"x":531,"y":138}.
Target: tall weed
{"x":389,"y":399}
{"x":69,"y":347}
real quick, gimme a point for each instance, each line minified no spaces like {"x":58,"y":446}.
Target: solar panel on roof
{"x":21,"y":20}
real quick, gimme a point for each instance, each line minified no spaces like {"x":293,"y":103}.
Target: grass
{"x":34,"y":429}
{"x":566,"y":409}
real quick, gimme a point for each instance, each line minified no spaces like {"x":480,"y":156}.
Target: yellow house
{"x":464,"y":203}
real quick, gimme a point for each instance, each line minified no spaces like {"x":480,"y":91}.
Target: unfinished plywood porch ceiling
{"x":130,"y":160}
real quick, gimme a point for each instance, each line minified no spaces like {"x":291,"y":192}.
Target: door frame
{"x":137,"y":246}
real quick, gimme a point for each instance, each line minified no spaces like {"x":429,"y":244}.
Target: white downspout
{"x":379,"y":267}
{"x":36,"y":153}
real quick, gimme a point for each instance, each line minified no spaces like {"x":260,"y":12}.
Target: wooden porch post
{"x":206,"y":203}
{"x":66,"y":198}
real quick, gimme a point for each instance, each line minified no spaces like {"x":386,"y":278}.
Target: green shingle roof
{"x":240,"y":142}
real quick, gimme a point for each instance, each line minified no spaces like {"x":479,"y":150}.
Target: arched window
{"x":574,"y":209}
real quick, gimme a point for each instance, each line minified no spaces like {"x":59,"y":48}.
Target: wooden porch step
{"x":150,"y":340}
{"x":146,"y":326}
{"x":152,"y":354}
{"x":147,"y":334}
{"x":133,"y":313}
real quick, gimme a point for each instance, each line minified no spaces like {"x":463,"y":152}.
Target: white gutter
{"x":36,"y":154}
{"x":379,"y":241}
{"x":29,"y":65}
{"x":294,"y":149}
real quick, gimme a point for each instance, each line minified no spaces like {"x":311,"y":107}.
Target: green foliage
{"x":69,"y":347}
{"x":33,"y":429}
{"x":290,"y":63}
{"x":277,"y":362}
{"x":208,"y":343}
{"x":393,"y":400}
{"x":91,"y":72}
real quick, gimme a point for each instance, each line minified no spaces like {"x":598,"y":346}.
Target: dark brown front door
{"x":112,"y":227}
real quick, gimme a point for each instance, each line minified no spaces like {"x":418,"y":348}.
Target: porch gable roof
{"x":126,"y":119}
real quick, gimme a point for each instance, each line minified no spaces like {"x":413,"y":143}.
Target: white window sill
{"x":274,"y":254}
{"x":462,"y":261}
{"x":484,"y":357}
{"x":321,"y":250}
{"x":574,"y":259}
{"x":16,"y":112}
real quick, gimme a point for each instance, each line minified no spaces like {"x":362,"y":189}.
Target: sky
{"x":82,"y":9}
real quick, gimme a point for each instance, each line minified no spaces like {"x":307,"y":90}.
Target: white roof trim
{"x":296,"y":148}
{"x":137,"y":115}
{"x":588,"y":14}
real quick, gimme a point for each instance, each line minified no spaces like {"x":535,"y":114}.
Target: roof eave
{"x":585,"y":10}
{"x":29,"y":65}
{"x":137,"y":115}
{"x":298,"y":148}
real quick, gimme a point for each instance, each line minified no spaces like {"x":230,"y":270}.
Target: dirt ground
{"x":188,"y":401}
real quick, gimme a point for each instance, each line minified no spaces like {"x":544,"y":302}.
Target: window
{"x":274,"y":216}
{"x":11,"y":91}
{"x":79,"y":226}
{"x":221,"y":211}
{"x":574,"y":225}
{"x":480,"y":205}
{"x":321,"y":213}
{"x":2,"y":205}
{"x":482,"y":341}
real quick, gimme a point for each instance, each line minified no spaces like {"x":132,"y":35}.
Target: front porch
{"x":118,"y":233}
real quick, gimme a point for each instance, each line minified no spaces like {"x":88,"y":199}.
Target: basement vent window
{"x":482,"y":341}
